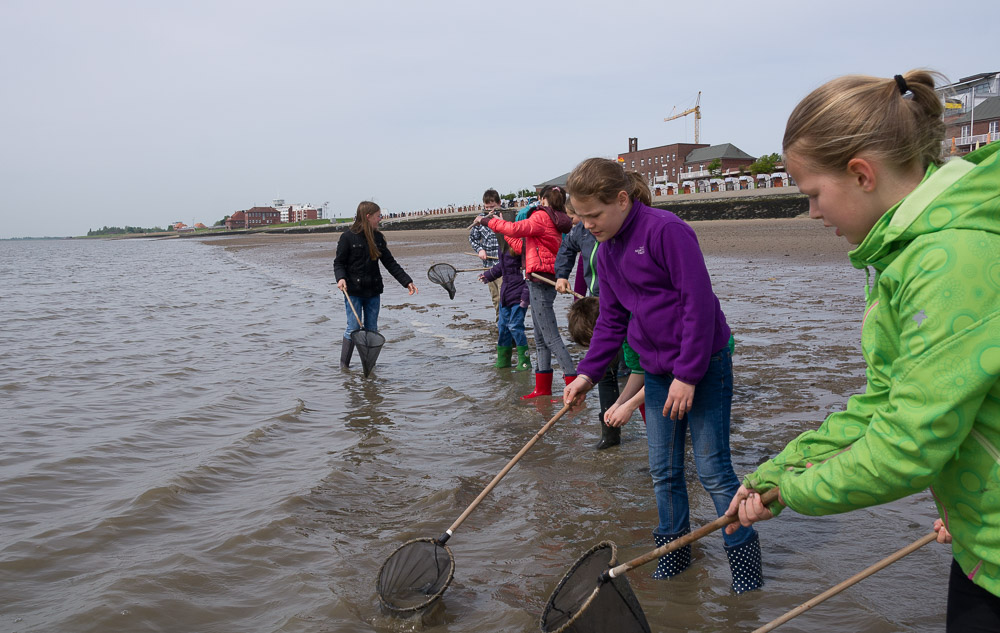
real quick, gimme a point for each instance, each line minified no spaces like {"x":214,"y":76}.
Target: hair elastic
{"x":901,"y":83}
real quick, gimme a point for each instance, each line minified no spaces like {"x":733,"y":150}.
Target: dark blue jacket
{"x":514,"y":288}
{"x":579,"y":241}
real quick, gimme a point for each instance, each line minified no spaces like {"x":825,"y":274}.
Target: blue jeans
{"x":511,"y":326}
{"x":708,"y":422}
{"x":367,"y":309}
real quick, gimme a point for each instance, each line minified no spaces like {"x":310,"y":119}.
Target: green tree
{"x":715,"y":167}
{"x":222,"y":221}
{"x":521,"y":193}
{"x":765,"y":164}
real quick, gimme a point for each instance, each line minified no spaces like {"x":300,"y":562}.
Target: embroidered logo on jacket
{"x":641,"y":250}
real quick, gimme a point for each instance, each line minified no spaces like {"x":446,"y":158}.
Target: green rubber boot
{"x":503,"y":356}
{"x":523,"y":362}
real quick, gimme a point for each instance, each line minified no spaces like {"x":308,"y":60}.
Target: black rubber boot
{"x":610,"y":435}
{"x":607,"y":392}
{"x":744,"y":562}
{"x":673,"y":562}
{"x":346,"y":351}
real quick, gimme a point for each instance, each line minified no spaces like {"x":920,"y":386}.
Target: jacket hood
{"x":562,"y":222}
{"x":962,"y":194}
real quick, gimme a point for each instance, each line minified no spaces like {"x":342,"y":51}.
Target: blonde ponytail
{"x":895,"y":120}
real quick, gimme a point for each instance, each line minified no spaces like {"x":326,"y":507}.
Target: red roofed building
{"x":253,"y":218}
{"x":237,"y":220}
{"x":262,"y":216}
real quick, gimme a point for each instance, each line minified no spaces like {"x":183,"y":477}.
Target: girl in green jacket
{"x":867,"y":152}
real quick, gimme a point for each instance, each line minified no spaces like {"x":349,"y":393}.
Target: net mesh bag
{"x":368,"y":344}
{"x":444,"y":275}
{"x":415,"y":575}
{"x":575,"y":607}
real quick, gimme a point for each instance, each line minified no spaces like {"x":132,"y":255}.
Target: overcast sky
{"x":143,"y":113}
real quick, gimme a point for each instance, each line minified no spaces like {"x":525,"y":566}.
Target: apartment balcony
{"x":982,"y":139}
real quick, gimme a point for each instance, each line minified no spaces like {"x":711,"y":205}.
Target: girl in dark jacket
{"x":356,"y":267}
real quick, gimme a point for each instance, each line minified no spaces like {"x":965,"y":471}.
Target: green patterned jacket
{"x":930,"y":414}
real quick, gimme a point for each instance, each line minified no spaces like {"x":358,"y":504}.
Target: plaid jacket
{"x":482,"y":238}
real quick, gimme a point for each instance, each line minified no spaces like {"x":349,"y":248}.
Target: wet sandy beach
{"x":436,"y":423}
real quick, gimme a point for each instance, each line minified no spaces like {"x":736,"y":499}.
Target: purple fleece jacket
{"x":653,"y":269}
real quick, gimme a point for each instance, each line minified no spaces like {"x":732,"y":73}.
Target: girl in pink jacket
{"x":542,"y":232}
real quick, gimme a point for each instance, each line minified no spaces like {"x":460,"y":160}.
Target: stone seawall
{"x":736,"y":208}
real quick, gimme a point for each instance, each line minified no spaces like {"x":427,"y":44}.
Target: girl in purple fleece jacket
{"x":650,"y":266}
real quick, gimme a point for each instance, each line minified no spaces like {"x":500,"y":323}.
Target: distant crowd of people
{"x":517,"y":202}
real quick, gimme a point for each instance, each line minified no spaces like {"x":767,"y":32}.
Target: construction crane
{"x":697,"y":116}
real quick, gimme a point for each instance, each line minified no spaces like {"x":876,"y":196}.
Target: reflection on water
{"x":182,"y":452}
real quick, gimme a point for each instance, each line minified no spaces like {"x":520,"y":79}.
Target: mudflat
{"x":797,"y":238}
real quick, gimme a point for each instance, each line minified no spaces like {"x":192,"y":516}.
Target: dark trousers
{"x":971,"y":609}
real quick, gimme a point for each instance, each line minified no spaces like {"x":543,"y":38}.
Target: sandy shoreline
{"x":798,"y":238}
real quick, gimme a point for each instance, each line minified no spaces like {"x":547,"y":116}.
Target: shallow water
{"x":182,"y":452}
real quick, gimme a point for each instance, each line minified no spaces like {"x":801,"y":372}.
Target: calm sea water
{"x":181,"y":452}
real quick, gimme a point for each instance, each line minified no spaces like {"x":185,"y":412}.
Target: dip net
{"x":369,"y":345}
{"x":444,"y":275}
{"x":580,"y":604}
{"x":415,"y":575}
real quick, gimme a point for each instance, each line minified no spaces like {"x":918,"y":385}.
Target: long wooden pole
{"x":832,"y":591}
{"x":482,"y":495}
{"x":552,"y":283}
{"x":351,"y":303}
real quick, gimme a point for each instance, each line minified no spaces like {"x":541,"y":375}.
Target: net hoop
{"x":443,"y":275}
{"x":441,"y":271}
{"x":621,"y":608}
{"x":439,"y":585}
{"x":369,"y":345}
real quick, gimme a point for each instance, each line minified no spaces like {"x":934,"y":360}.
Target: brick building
{"x":972,"y":113}
{"x":299,"y":214}
{"x":262,"y":216}
{"x":979,"y":126}
{"x":664,"y":163}
{"x":253,"y":218}
{"x":237,"y":220}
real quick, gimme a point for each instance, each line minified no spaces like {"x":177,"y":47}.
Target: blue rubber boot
{"x":744,"y":562}
{"x":674,"y":562}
